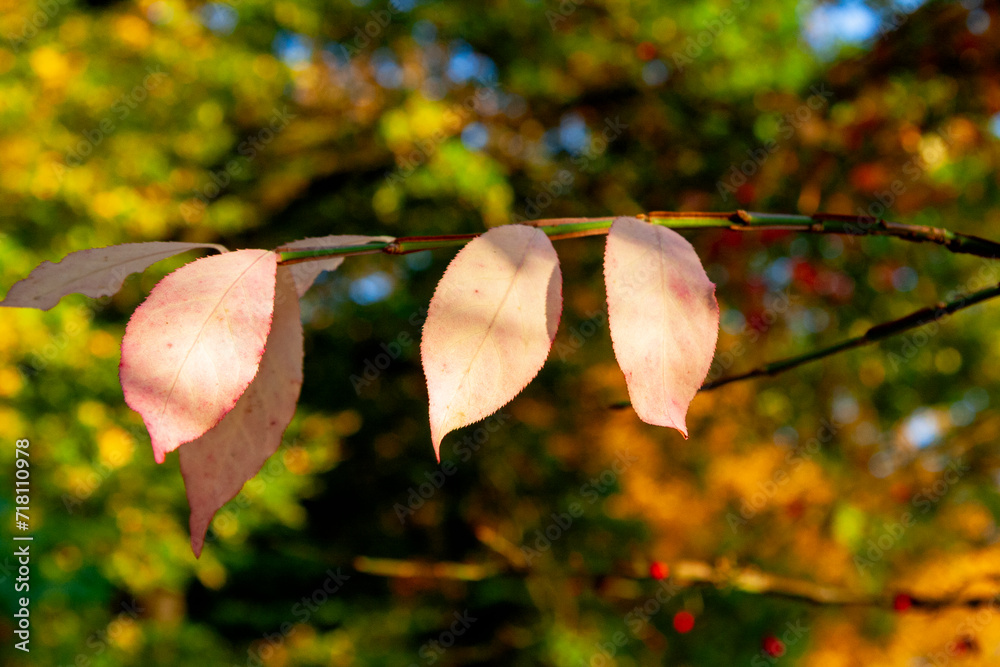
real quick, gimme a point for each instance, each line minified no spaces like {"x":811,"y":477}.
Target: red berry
{"x":658,"y":570}
{"x":902,"y":602}
{"x":683,"y":622}
{"x":796,"y":508}
{"x":964,"y":645}
{"x":773,"y":646}
{"x":646,"y":51}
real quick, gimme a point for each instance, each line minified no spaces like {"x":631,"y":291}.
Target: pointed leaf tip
{"x":663,"y":317}
{"x":490,"y":325}
{"x":193,"y":346}
{"x":216,"y":465}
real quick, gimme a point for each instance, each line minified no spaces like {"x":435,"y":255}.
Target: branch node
{"x":742,"y":218}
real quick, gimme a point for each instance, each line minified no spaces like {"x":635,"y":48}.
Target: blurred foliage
{"x":261,"y":121}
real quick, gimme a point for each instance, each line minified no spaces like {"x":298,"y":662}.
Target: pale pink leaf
{"x":663,"y":317}
{"x":95,"y":272}
{"x":305,"y":273}
{"x":216,"y":465}
{"x":490,"y":325}
{"x":193,"y":346}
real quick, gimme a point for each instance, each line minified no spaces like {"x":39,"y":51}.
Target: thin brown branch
{"x":743,"y":221}
{"x":684,"y":574}
{"x":876,"y":333}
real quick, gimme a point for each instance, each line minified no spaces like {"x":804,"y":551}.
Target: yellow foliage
{"x":968,"y":573}
{"x":129,"y":520}
{"x":91,"y":413}
{"x":10,"y":382}
{"x":386,"y":203}
{"x":225,"y":524}
{"x":6,"y":61}
{"x":296,"y":459}
{"x":133,"y":31}
{"x":125,"y":633}
{"x":115,"y":446}
{"x":211,"y":573}
{"x":11,"y":425}
{"x":103,"y":345}
{"x":50,"y":65}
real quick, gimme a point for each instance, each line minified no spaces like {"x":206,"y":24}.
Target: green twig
{"x":818,"y":223}
{"x":565,"y":228}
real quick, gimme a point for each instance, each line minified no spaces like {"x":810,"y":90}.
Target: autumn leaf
{"x":663,"y":317}
{"x":95,"y":272}
{"x":193,"y":346}
{"x":490,"y":325}
{"x":216,"y":465}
